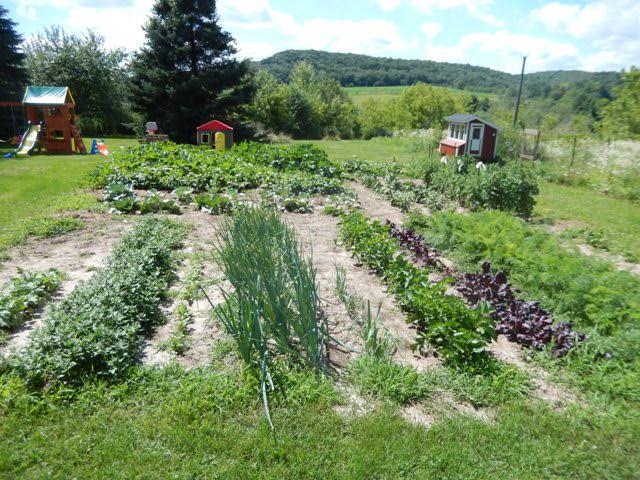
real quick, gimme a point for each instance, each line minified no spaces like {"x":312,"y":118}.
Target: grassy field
{"x":605,"y":223}
{"x":33,"y":188}
{"x":209,"y":424}
{"x":361,"y":94}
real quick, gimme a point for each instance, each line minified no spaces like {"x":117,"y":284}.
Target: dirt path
{"x":321,"y":231}
{"x":77,"y":255}
{"x":203,"y":333}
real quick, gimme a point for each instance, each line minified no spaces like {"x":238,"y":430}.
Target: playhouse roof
{"x":466,"y":118}
{"x":47,"y":96}
{"x":215,"y":125}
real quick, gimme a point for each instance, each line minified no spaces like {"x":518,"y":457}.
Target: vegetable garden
{"x":311,"y":301}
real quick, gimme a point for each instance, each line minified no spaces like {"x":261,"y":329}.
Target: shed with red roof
{"x":211,"y":133}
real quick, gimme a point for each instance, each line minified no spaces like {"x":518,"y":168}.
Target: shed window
{"x":458,"y":131}
{"x":204,"y":138}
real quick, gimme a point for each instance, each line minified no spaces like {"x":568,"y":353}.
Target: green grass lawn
{"x":210,"y":424}
{"x":609,"y":223}
{"x":34,"y":187}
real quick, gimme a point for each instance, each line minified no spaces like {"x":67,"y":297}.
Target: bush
{"x":511,"y":187}
{"x":97,"y":330}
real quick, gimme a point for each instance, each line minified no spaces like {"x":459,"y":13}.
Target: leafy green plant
{"x":458,"y":333}
{"x":23,"y":294}
{"x":583,"y":290}
{"x":376,"y":340}
{"x":47,"y":227}
{"x":97,"y":331}
{"x":214,"y":204}
{"x":178,"y":342}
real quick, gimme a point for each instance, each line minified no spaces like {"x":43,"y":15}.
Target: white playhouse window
{"x":458,"y":131}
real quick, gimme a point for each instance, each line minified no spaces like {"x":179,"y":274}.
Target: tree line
{"x":187,"y":73}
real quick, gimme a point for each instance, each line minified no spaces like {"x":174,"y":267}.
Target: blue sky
{"x":588,"y":35}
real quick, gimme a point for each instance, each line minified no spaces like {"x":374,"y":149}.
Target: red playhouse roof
{"x":215,"y":125}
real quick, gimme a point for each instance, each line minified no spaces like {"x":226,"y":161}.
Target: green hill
{"x":353,"y":70}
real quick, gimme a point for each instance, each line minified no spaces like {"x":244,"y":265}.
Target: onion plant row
{"x":98,"y":330}
{"x":275,"y":309}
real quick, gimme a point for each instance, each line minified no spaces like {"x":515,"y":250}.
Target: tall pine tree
{"x":13,"y":76}
{"x":186,"y":73}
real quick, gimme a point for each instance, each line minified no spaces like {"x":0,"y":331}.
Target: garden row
{"x":589,"y":293}
{"x":21,"y":296}
{"x":509,"y":187}
{"x":98,"y":330}
{"x":212,"y":180}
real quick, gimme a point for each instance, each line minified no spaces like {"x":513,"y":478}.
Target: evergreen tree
{"x":13,"y":76}
{"x":186,"y":73}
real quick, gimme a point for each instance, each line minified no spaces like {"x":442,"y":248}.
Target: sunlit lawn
{"x":41,"y":184}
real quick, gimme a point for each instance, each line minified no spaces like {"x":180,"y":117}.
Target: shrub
{"x":511,"y":187}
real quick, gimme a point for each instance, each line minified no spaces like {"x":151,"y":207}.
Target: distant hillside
{"x":363,"y":70}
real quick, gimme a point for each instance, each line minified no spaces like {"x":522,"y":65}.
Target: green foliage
{"x":214,"y":204}
{"x":46,"y":227}
{"x":423,"y":106}
{"x":97,"y":331}
{"x":442,"y":321}
{"x":22,"y":295}
{"x":385,"y":379}
{"x":170,"y":166}
{"x":13,"y":75}
{"x":309,"y":106}
{"x":496,"y":384}
{"x":510,"y":187}
{"x":122,"y":199}
{"x":95,"y":75}
{"x":178,"y":342}
{"x":621,"y":117}
{"x":576,"y":288}
{"x":275,"y":307}
{"x":186,"y":70}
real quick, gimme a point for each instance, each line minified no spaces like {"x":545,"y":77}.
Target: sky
{"x":586,"y":35}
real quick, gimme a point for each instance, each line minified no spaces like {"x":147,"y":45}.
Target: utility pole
{"x":515,"y":116}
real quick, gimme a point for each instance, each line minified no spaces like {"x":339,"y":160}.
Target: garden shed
{"x":215,"y":134}
{"x":468,"y":134}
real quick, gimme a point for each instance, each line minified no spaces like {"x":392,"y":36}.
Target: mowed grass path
{"x":39,"y":185}
{"x":616,"y":221}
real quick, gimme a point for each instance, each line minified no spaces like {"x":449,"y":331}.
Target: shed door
{"x":475,"y":142}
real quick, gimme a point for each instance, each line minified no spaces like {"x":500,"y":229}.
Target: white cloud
{"x":388,"y":5}
{"x":504,"y":50}
{"x":431,"y":29}
{"x":609,"y":27}
{"x":475,"y":8}
{"x":375,"y":37}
